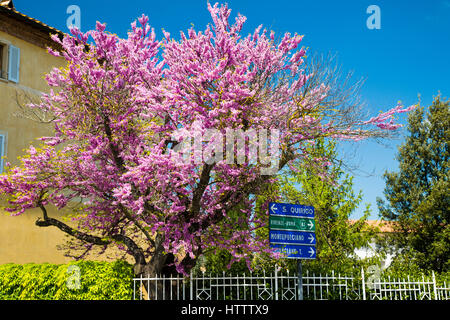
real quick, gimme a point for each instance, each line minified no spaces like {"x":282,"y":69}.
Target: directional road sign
{"x":292,"y":210}
{"x":292,"y":237}
{"x":292,"y":230}
{"x":296,"y":251}
{"x":292,"y":223}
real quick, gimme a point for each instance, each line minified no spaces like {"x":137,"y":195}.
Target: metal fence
{"x":273,"y":286}
{"x":406,"y":289}
{"x":284,"y":286}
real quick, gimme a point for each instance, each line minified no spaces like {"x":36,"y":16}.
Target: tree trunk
{"x":160,"y":266}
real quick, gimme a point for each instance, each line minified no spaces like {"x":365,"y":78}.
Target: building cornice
{"x":28,"y":29}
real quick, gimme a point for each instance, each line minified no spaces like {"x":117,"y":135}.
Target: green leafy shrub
{"x":83,"y":280}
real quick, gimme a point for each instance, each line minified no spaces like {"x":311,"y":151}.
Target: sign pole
{"x":300,"y":280}
{"x":292,"y":232}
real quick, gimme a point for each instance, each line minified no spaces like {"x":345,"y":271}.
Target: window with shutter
{"x":14,"y":64}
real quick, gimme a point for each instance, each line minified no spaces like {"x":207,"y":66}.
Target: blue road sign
{"x":292,"y":237}
{"x":295,"y":251}
{"x":295,"y":244}
{"x":292,"y":210}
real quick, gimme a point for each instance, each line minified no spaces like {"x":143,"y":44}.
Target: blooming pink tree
{"x":117,"y":106}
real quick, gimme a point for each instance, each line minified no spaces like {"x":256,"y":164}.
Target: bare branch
{"x":24,"y":101}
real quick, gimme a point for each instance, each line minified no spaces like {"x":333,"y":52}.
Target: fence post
{"x":299,"y":279}
{"x":276,"y":282}
{"x":363,"y":283}
{"x":191,"y":287}
{"x":434,"y":286}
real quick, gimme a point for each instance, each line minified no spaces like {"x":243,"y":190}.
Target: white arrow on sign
{"x":311,"y":224}
{"x":311,"y":238}
{"x":273,"y":208}
{"x":311,"y":252}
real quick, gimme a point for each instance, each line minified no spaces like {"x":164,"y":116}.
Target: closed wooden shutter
{"x":14,"y":64}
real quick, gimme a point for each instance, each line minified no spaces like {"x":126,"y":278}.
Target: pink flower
{"x":100,"y":27}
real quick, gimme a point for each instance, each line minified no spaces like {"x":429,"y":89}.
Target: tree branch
{"x":137,"y":224}
{"x":136,"y":251}
{"x":198,"y":193}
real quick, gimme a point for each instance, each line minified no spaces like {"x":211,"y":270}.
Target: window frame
{"x":4,"y":66}
{"x":2,"y":48}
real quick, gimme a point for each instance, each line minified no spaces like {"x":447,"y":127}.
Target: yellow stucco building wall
{"x":21,"y":241}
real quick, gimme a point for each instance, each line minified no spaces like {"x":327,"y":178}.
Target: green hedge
{"x":82,"y":280}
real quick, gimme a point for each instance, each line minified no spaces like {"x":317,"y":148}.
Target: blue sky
{"x":408,"y":56}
